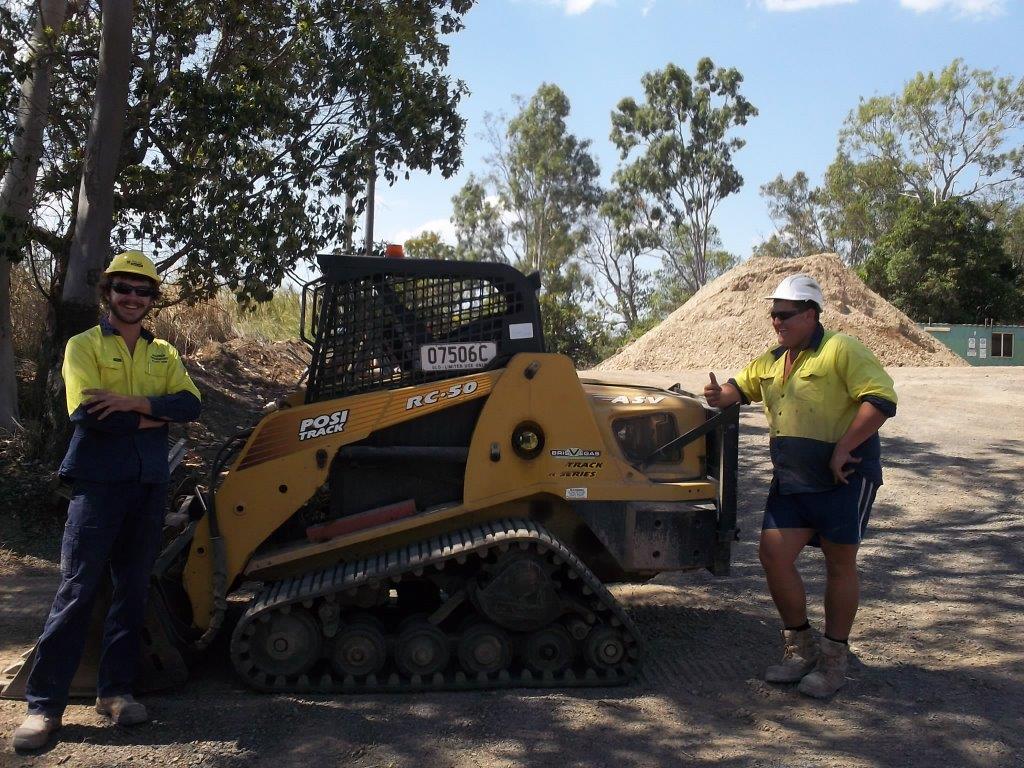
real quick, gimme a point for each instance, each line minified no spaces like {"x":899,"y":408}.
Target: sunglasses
{"x":124,"y":289}
{"x":784,"y":316}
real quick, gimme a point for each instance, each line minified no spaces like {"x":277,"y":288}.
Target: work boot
{"x":35,"y":731}
{"x":123,"y":710}
{"x":830,"y":673}
{"x":799,"y":655}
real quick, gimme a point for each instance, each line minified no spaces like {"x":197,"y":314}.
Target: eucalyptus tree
{"x":244,"y":128}
{"x":958,"y":133}
{"x":678,"y":144}
{"x":25,"y":121}
{"x":530,"y":210}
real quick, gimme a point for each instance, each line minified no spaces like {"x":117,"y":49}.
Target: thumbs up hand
{"x":713,"y":391}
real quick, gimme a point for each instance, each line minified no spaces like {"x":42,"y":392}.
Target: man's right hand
{"x":713,"y":392}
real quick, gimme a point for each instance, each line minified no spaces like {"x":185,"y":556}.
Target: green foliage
{"x":679,"y":148}
{"x":863,"y":200}
{"x":544,"y":182}
{"x":1010,"y":220}
{"x":428,"y":245}
{"x":620,"y":234}
{"x":945,"y":262}
{"x":247,"y":124}
{"x":549,"y":182}
{"x":801,"y":216}
{"x":480,"y":235}
{"x":952,"y":134}
{"x":958,"y":133}
{"x":681,"y":263}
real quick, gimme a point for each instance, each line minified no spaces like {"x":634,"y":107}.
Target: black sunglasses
{"x":124,"y":289}
{"x":784,"y":316}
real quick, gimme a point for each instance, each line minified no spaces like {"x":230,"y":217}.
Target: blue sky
{"x":805,"y":65}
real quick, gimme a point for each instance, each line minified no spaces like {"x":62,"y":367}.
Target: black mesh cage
{"x":379,"y":323}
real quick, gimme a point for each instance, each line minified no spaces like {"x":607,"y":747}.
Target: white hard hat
{"x":799,"y":288}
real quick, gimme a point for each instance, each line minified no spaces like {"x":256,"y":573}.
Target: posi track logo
{"x":325,"y":424}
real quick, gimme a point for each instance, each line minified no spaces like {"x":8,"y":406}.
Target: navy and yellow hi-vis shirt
{"x":811,"y":410}
{"x":114,"y":449}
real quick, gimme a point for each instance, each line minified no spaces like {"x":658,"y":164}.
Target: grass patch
{"x":222,"y":318}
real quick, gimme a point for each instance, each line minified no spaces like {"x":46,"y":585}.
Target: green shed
{"x":981,"y":344}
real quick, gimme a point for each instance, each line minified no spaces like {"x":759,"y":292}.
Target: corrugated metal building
{"x":982,"y":344}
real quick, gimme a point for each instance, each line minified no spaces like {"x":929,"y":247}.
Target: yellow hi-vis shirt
{"x":98,"y":360}
{"x":811,"y":410}
{"x":114,"y":449}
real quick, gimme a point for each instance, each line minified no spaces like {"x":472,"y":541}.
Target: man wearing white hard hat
{"x":825,"y":396}
{"x":123,"y":388}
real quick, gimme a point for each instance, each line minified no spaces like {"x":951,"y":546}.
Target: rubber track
{"x":415,"y":558}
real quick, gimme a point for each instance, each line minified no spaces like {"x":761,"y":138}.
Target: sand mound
{"x":725,"y":325}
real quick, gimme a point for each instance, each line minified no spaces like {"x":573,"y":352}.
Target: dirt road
{"x":938,"y":678}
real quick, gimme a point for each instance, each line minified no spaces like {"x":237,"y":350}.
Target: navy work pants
{"x":115,"y":526}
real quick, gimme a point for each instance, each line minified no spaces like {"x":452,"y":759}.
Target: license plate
{"x":464,"y":356}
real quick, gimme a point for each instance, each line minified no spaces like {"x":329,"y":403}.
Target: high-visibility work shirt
{"x":809,"y":411}
{"x":114,"y":449}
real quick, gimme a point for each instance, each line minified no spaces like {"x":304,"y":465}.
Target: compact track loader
{"x":441,"y":506}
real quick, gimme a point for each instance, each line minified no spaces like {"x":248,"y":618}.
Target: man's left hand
{"x":840,"y":458}
{"x":104,"y":402}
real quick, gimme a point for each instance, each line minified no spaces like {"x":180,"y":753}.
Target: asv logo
{"x":418,"y":401}
{"x":637,"y":400}
{"x":325,"y":424}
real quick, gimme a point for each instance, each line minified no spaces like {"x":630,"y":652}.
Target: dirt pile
{"x":725,"y":325}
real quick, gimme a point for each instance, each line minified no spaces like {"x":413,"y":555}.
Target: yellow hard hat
{"x":134,"y":263}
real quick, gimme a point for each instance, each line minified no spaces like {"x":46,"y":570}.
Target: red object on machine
{"x":394,"y":251}
{"x":368,"y":519}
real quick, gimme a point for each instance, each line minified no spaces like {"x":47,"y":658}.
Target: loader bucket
{"x":161,"y":664}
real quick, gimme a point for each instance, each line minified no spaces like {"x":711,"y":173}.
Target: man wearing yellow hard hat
{"x":123,"y":388}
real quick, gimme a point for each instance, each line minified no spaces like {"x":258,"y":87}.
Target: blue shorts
{"x":840,"y":515}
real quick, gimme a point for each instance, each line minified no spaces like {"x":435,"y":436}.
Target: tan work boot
{"x":799,"y":655}
{"x":35,"y":731}
{"x":830,"y":674}
{"x":123,"y":710}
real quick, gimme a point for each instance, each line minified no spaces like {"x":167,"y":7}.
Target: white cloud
{"x":577,"y":7}
{"x":801,"y":5}
{"x":964,"y":7}
{"x":443,"y":227}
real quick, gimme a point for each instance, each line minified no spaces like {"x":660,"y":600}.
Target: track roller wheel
{"x":422,"y":649}
{"x":287,"y":643}
{"x":605,"y":648}
{"x":484,"y":648}
{"x":358,"y":649}
{"x":548,"y":650}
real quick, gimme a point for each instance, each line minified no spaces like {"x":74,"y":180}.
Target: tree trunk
{"x":8,"y":370}
{"x":19,"y":185}
{"x":90,"y":246}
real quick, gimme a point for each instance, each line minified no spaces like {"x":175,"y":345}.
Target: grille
{"x":371,"y":317}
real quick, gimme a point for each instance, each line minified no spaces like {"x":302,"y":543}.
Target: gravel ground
{"x":938,"y":675}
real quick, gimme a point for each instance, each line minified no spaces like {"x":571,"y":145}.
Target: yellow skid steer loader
{"x":441,"y":506}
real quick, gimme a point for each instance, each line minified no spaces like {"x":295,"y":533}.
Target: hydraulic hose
{"x":218,"y":583}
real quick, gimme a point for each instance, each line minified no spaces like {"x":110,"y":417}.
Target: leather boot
{"x":799,"y":655}
{"x":123,"y":710}
{"x":35,"y":731}
{"x":830,"y":673}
